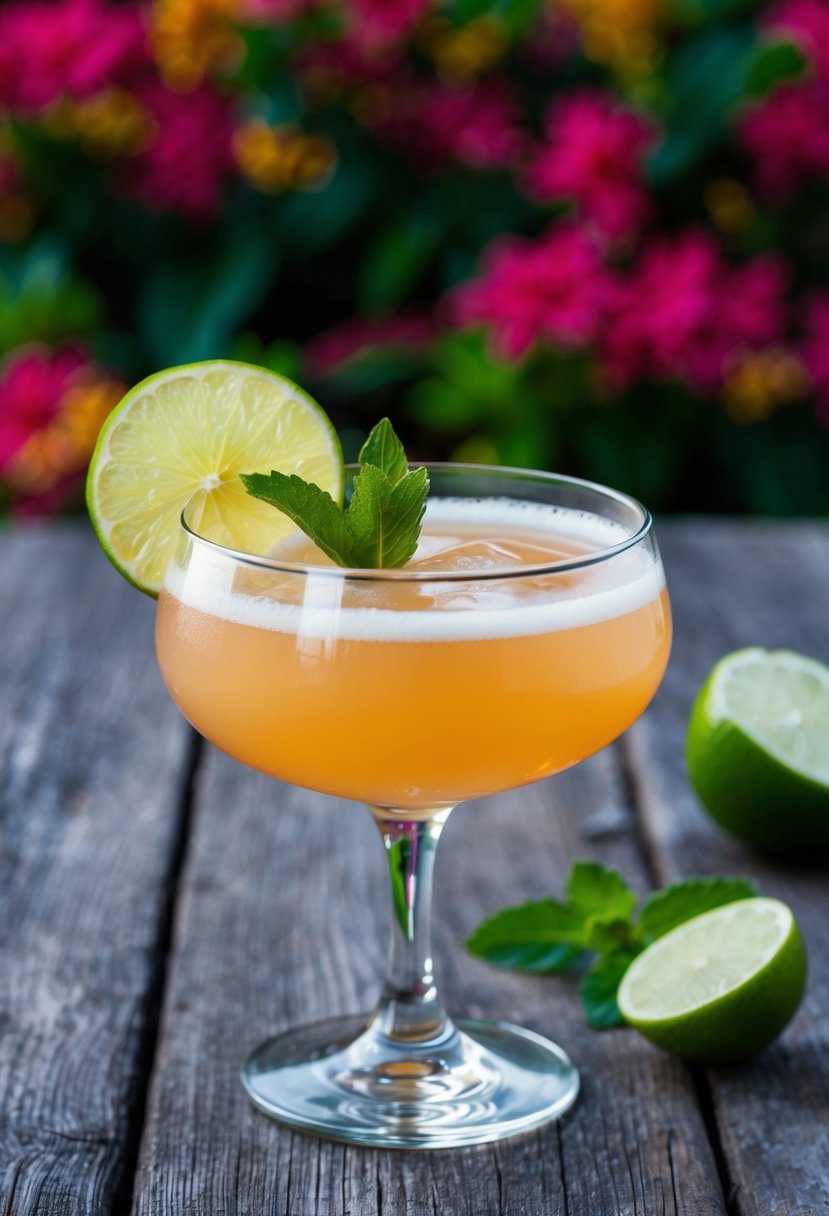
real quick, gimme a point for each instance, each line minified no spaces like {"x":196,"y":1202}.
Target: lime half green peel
{"x":758,"y":749}
{"x":185,"y":435}
{"x":720,"y":987}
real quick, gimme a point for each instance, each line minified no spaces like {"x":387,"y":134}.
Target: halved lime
{"x":186,"y":434}
{"x":720,"y":987}
{"x":758,"y":749}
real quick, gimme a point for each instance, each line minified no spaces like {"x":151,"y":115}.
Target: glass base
{"x":474,"y":1082}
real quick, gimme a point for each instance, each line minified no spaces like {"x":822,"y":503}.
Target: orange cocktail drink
{"x":530,"y":628}
{"x":422,"y":694}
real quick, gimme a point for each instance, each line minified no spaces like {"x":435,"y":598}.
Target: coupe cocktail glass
{"x":531,"y":629}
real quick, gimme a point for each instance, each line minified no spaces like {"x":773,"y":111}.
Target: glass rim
{"x":404,"y":575}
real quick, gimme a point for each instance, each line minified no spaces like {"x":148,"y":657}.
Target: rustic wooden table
{"x":162,"y":909}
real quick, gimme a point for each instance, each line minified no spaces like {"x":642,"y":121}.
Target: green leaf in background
{"x":189,"y":309}
{"x":282,"y":357}
{"x":41,"y":300}
{"x":307,"y":222}
{"x":704,"y":78}
{"x":771,"y":64}
{"x":598,"y":991}
{"x":706,"y":12}
{"x":395,"y":262}
{"x":666,"y":909}
{"x":596,"y":891}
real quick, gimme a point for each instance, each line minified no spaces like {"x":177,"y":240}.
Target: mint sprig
{"x":379,"y":529}
{"x":594,"y":929}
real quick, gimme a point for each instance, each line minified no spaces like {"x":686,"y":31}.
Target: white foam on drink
{"x":467,"y":610}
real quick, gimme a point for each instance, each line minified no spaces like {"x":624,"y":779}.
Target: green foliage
{"x":704,"y":79}
{"x":771,"y":64}
{"x":393,"y":224}
{"x":41,"y":300}
{"x":189,"y":308}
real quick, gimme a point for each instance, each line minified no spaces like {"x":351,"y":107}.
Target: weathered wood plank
{"x":282,"y":919}
{"x":91,"y":767}
{"x":736,"y":585}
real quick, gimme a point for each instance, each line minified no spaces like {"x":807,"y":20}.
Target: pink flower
{"x":554,"y":289}
{"x":375,"y":25}
{"x":476,"y":125}
{"x":814,"y":350}
{"x":594,"y":156}
{"x":76,"y":47}
{"x":329,"y":351}
{"x":32,"y":384}
{"x":191,"y":155}
{"x":52,"y":405}
{"x":788,"y":138}
{"x":683,"y":313}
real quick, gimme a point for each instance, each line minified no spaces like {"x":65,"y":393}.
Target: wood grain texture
{"x":282,"y":919}
{"x":736,"y":585}
{"x":91,"y":759}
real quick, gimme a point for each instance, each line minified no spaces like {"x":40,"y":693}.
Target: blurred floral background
{"x":589,"y":235}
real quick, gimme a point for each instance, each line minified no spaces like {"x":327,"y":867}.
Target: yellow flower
{"x":623,"y":35}
{"x":730,"y":206}
{"x":465,"y":52}
{"x":64,"y":446}
{"x":761,"y":382}
{"x":192,"y":38}
{"x":112,"y":123}
{"x":275,"y":159}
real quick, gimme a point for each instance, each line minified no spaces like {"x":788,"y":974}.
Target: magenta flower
{"x":683,"y":314}
{"x":375,"y":25}
{"x":75,"y":48}
{"x":185,"y":165}
{"x":788,"y":138}
{"x":329,"y":351}
{"x":555,"y":289}
{"x":32,"y":385}
{"x":476,"y":125}
{"x":788,"y":134}
{"x":814,"y":350}
{"x":593,"y":155}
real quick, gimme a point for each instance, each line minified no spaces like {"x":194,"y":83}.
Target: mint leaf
{"x":381,"y":527}
{"x":312,"y":509}
{"x":599,"y":987}
{"x":605,"y":936}
{"x":596,"y":891}
{"x":666,"y":909}
{"x":384,"y":451}
{"x":384,"y":519}
{"x":546,"y":935}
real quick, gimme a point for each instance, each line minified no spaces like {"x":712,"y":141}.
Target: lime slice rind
{"x":720,"y":987}
{"x":183,"y":436}
{"x":780,"y":700}
{"x":704,"y":960}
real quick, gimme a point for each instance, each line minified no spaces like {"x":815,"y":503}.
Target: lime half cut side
{"x":720,"y":987}
{"x":758,"y":749}
{"x":184,"y":435}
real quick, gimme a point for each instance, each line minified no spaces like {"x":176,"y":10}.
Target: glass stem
{"x":409,"y":1011}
